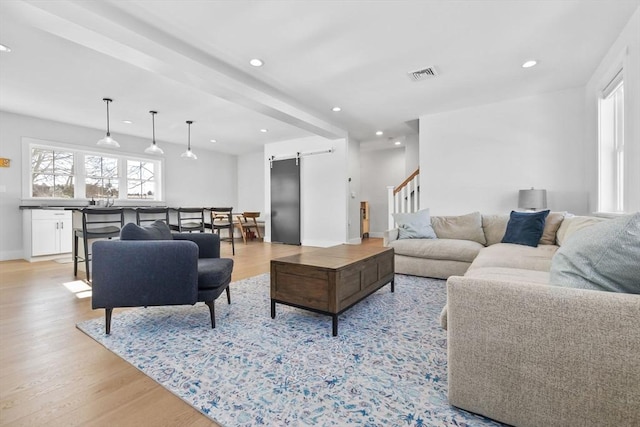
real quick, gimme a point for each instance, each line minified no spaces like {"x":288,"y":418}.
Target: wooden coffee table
{"x":330,"y":280}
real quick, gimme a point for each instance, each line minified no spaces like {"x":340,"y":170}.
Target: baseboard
{"x":321,"y":243}
{"x":11,"y":255}
{"x":355,"y":241}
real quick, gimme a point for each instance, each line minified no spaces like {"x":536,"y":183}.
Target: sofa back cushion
{"x":414,"y":225}
{"x":551,"y":225}
{"x":462,"y":227}
{"x":157,"y":230}
{"x":603,"y":256}
{"x":570,"y":224}
{"x":494,"y":227}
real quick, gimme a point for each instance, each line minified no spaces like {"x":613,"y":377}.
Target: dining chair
{"x":189,"y":219}
{"x":249,"y":225}
{"x":222,"y":219}
{"x":97,"y":223}
{"x":151,"y":214}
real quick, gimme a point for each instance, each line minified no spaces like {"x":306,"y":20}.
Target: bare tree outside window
{"x":52,"y":173}
{"x":140,"y":180}
{"x":101,"y":177}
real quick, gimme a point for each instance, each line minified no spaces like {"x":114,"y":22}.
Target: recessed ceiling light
{"x":4,"y":48}
{"x":256,"y":62}
{"x":127,"y":122}
{"x":379,"y":133}
{"x":264,"y":130}
{"x":529,"y":64}
{"x":397,"y":143}
{"x":336,"y":109}
{"x":213,"y":140}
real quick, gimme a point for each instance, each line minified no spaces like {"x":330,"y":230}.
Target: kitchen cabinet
{"x":47,"y":232}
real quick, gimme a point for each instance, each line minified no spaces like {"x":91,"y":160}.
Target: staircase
{"x":405,"y":197}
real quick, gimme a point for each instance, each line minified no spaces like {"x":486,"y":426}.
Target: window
{"x":101,"y":177}
{"x":52,"y":173}
{"x":62,"y":171}
{"x":140,"y":180}
{"x":611,"y":147}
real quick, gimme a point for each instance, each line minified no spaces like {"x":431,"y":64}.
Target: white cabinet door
{"x":44,"y":237}
{"x":66,"y":235}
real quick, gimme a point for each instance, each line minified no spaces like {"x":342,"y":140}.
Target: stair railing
{"x":404,"y":197}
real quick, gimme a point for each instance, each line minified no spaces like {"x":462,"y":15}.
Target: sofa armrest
{"x":133,"y":273}
{"x":531,"y":355}
{"x":208,"y":243}
{"x":389,"y":236}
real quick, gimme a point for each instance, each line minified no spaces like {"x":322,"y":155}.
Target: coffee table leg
{"x":393,"y":286}
{"x":273,"y":309}
{"x":334,"y":324}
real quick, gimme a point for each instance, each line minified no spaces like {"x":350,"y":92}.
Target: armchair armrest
{"x":208,"y":243}
{"x":531,"y":355}
{"x":389,"y":236}
{"x":133,"y":273}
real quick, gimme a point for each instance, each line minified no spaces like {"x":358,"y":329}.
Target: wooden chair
{"x":97,"y":223}
{"x":189,"y":219}
{"x":222,"y":219}
{"x":144,"y":215}
{"x":248,"y":225}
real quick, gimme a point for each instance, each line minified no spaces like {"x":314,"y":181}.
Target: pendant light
{"x":107,"y":141}
{"x":153,"y":148}
{"x":189,"y":154}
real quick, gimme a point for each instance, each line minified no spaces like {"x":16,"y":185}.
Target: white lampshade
{"x":189,"y":155}
{"x":532,"y":199}
{"x":153,"y":149}
{"x":107,"y":141}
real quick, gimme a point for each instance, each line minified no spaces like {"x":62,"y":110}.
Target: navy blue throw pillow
{"x":157,"y":230}
{"x":525,"y":228}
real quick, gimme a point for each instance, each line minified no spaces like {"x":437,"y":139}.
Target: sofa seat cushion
{"x":441,"y":249}
{"x":508,"y":274}
{"x":515,"y":256}
{"x":214,"y":272}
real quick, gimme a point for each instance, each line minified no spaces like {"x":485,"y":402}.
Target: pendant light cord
{"x":107,"y":101}
{"x":153,"y":124}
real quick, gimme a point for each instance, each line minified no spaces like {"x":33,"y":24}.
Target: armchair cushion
{"x":214,"y":272}
{"x":157,"y":230}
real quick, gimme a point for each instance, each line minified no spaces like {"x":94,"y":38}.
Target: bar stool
{"x":97,"y":223}
{"x":152,"y":214}
{"x":189,"y":219}
{"x":221,"y":218}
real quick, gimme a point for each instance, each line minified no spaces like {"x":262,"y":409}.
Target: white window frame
{"x":611,"y":147}
{"x":79,"y":171}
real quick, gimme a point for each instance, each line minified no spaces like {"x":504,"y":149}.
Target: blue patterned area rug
{"x":387,"y":367}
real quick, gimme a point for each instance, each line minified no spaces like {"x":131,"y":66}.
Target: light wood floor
{"x":52,"y":374}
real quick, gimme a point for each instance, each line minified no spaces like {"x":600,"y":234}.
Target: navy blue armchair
{"x":150,"y":266}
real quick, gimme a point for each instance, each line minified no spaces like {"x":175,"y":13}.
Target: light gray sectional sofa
{"x":520,"y":350}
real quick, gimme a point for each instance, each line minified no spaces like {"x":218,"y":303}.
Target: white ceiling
{"x":188,"y":60}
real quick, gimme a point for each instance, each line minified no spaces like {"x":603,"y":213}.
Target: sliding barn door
{"x":285,"y":201}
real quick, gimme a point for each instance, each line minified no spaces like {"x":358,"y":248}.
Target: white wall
{"x":354,"y":192}
{"x":379,"y":169}
{"x":411,"y":155}
{"x":476,"y":159}
{"x":209,"y":181}
{"x":625,"y":52}
{"x":251,"y":168}
{"x":324,"y":190}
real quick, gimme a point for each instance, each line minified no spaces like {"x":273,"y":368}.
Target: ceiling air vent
{"x":423,"y":74}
